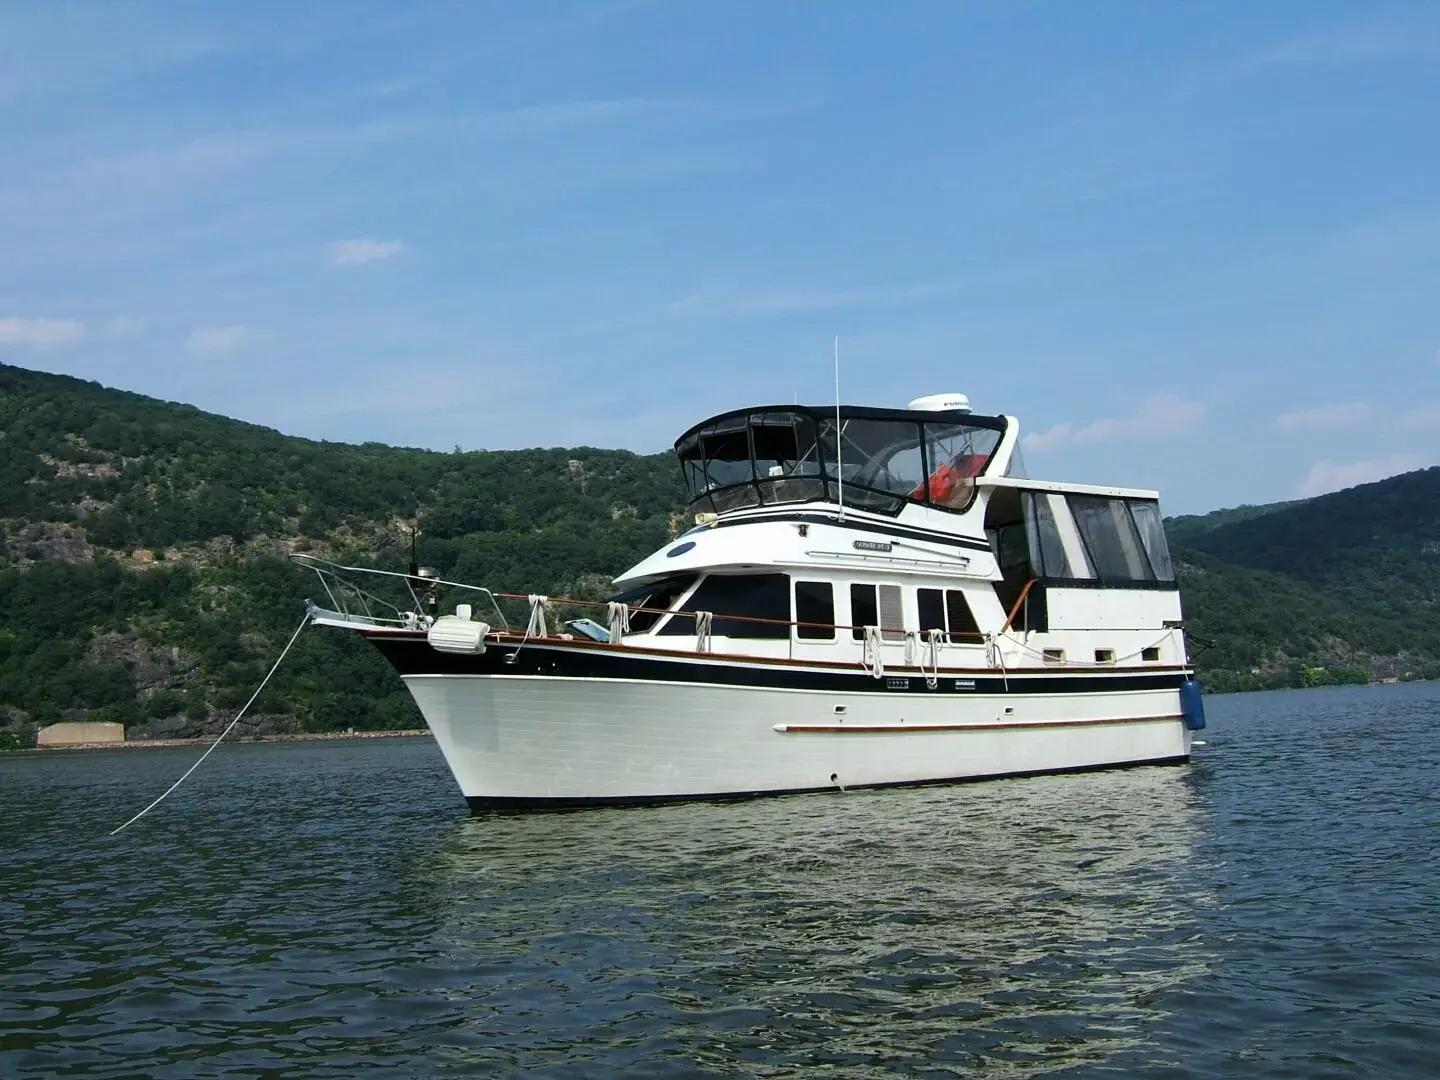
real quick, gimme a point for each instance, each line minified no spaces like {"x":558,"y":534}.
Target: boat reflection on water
{"x":1022,"y":925}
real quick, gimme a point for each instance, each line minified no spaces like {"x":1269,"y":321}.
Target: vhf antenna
{"x":839,"y":472}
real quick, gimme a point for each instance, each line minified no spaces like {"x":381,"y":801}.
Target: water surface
{"x":332,"y":910}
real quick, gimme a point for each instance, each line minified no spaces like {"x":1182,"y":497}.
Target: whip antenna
{"x":839,"y":472}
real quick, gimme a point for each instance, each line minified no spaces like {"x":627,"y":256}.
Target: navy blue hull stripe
{"x":414,"y":656}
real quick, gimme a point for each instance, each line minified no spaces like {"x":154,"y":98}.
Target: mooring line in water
{"x":229,"y":727}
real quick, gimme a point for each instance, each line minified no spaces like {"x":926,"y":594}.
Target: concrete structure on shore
{"x":80,"y":734}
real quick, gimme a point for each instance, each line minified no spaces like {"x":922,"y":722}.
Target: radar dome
{"x":941,"y":403}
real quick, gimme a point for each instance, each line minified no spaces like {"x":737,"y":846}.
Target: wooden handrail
{"x":1016,"y":609}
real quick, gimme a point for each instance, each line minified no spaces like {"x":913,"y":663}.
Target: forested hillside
{"x":145,"y":580}
{"x":144,"y":576}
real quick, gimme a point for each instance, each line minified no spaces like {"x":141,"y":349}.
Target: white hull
{"x":522,"y":739}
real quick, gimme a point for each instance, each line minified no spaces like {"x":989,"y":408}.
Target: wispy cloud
{"x":125,"y":326}
{"x":1418,"y":417}
{"x":1160,"y":417}
{"x":40,"y":333}
{"x":1327,"y":416}
{"x":207,"y":340}
{"x":1356,"y":44}
{"x":1326,"y":476}
{"x":360,"y":252}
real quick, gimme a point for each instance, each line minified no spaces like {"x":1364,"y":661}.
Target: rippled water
{"x":332,"y":910}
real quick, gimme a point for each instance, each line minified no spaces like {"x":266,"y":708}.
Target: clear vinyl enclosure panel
{"x":877,"y":459}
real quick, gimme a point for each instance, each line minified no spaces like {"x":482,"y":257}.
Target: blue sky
{"x":1194,"y":247}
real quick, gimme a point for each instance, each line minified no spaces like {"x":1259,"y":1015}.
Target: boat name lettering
{"x":964,"y":684}
{"x":895,"y":682}
{"x":873,"y":545}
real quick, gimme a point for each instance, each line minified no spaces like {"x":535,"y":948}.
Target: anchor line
{"x":228,"y":728}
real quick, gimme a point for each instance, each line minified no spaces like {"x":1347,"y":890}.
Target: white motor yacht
{"x":868,"y":597}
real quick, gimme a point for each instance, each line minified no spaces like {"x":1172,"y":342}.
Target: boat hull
{"x":536,"y":740}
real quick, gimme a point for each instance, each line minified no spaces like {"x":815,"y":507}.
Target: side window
{"x":863,"y":610}
{"x":947,"y":611}
{"x":1110,"y":539}
{"x":815,"y":610}
{"x":961,"y":622}
{"x":762,"y":601}
{"x":655,"y":599}
{"x":877,"y":605}
{"x":1148,"y":522}
{"x":932,"y":609}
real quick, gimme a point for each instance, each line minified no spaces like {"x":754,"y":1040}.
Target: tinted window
{"x":961,"y":623}
{"x":947,"y":611}
{"x":932,"y":609}
{"x":1046,"y":550}
{"x":734,"y":599}
{"x":1148,"y":523}
{"x":659,"y":596}
{"x":815,"y":603}
{"x":1110,"y":538}
{"x":863,"y":610}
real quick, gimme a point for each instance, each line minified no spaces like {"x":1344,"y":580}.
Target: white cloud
{"x":1326,"y":476}
{"x":1160,"y":417}
{"x":359,"y":252}
{"x":204,"y":340}
{"x":1353,"y":412}
{"x":1421,"y":417}
{"x":125,"y":326}
{"x":40,"y":333}
{"x":1376,"y":42}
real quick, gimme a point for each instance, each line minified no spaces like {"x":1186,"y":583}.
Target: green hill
{"x":1346,"y":579}
{"x":143,"y":575}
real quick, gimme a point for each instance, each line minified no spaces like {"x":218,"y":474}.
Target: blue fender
{"x":1192,"y":705}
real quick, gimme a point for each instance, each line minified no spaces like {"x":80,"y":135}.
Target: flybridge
{"x":870,"y":459}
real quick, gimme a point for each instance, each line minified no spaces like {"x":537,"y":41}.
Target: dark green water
{"x":331,"y":910}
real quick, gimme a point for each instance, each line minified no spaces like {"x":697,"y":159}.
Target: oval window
{"x":680,"y":549}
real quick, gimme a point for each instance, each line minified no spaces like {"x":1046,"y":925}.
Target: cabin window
{"x":735,"y":600}
{"x":877,"y":605}
{"x":815,"y":610}
{"x":657,"y":597}
{"x":1104,"y":656}
{"x":956,"y":454}
{"x":1054,"y":656}
{"x":1110,"y":538}
{"x":793,"y":455}
{"x":946,"y":610}
{"x":1146,"y":515}
{"x":1124,"y":538}
{"x":1047,"y":549}
{"x":1150,"y":655}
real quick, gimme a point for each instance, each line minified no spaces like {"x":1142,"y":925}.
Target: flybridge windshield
{"x":885,"y":459}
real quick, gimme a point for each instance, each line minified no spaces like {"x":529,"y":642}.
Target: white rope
{"x":538,"y":626}
{"x":703,"y":619}
{"x":995,"y":655}
{"x":227,"y":730}
{"x":619,"y":621}
{"x":1168,"y":635}
{"x":932,"y":679}
{"x":872,"y":657}
{"x":912,"y":646}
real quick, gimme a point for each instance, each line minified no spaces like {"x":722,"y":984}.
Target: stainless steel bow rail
{"x":350,"y":599}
